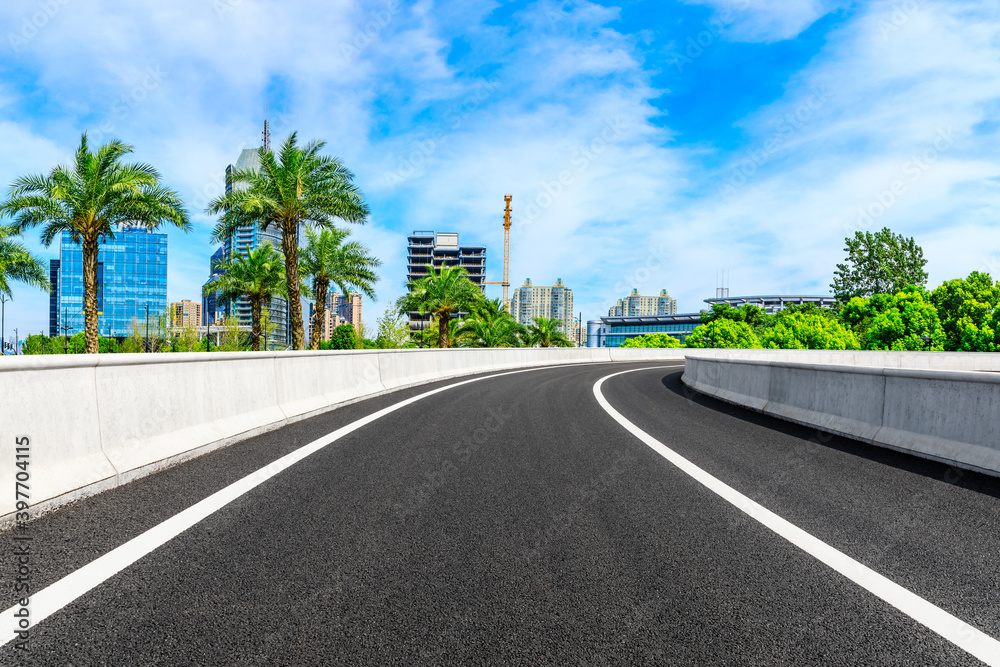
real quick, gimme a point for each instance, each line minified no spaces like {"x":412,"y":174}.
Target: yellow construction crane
{"x":506,"y":253}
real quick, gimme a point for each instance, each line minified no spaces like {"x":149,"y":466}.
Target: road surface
{"x":512,"y":520}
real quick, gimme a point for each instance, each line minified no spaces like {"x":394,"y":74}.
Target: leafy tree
{"x":18,"y":264}
{"x":653,"y":340}
{"x":328,"y":259}
{"x":490,"y":325}
{"x":806,"y":329}
{"x":748,"y":313}
{"x":443,"y":294}
{"x":259,"y":276}
{"x":90,"y":199}
{"x":187,"y":340}
{"x":879,"y":263}
{"x":345,"y":337}
{"x":968,"y":310}
{"x":895,"y":321}
{"x":545,"y":333}
{"x":393,"y":332}
{"x":295,"y":187}
{"x":723,"y":333}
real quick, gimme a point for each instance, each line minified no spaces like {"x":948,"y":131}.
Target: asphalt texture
{"x":512,"y":521}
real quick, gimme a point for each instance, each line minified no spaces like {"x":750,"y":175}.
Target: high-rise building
{"x":212,"y":308}
{"x":246,"y":238}
{"x":635,"y":305}
{"x":441,"y":249}
{"x":338,"y":311}
{"x":555,"y":302}
{"x":131,"y":276}
{"x":185,"y":314}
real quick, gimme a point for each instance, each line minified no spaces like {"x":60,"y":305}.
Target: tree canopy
{"x":879,"y":263}
{"x":653,"y":340}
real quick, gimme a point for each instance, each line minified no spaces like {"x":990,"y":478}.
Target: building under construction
{"x":437,"y":249}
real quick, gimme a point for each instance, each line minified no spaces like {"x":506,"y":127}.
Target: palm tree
{"x":490,"y":325}
{"x":545,"y":333}
{"x":259,"y":276}
{"x":296,"y":187}
{"x":17,"y":263}
{"x":443,"y":294}
{"x":329,"y":260}
{"x":89,"y":200}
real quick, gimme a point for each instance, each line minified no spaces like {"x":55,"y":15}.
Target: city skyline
{"x":644,"y":145}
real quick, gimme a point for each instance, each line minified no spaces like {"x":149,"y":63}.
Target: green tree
{"x":895,"y":321}
{"x":329,"y":260}
{"x":968,"y":310}
{"x":90,"y":199}
{"x":187,"y":340}
{"x":879,"y":263}
{"x":257,"y":276}
{"x":806,"y":329}
{"x":345,"y":337}
{"x":444,"y":294}
{"x":18,"y":264}
{"x":295,"y":187}
{"x":748,"y":313}
{"x":393,"y":332}
{"x":653,"y":340}
{"x":545,"y":333}
{"x":490,"y":325}
{"x":724,"y":333}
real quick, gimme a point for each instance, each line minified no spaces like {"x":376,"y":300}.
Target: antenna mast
{"x":267,"y":131}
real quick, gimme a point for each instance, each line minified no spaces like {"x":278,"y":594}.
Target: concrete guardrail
{"x":942,"y":406}
{"x":98,"y":421}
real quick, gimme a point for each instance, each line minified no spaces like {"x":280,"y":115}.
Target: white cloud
{"x":768,"y":20}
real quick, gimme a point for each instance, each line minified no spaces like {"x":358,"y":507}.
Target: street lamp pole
{"x":3,"y":313}
{"x":147,"y":327}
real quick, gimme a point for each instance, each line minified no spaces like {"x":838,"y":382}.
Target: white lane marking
{"x":954,"y":629}
{"x":61,"y":593}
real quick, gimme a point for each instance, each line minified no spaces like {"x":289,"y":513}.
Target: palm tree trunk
{"x":90,"y":254}
{"x":255,"y":310}
{"x":290,"y":244}
{"x":443,"y":340}
{"x":322,"y":286}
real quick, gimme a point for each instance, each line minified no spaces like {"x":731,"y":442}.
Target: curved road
{"x":511,"y":520}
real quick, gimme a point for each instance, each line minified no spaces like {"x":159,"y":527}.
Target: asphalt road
{"x":512,"y":521}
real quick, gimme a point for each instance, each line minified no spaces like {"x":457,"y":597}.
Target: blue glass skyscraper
{"x":131,"y":275}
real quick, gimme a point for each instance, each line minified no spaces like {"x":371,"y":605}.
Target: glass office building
{"x":131,"y":275}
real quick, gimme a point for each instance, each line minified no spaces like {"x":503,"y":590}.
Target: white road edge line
{"x":64,"y":591}
{"x":955,"y":630}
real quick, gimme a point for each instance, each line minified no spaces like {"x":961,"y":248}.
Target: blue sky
{"x":647,"y":143}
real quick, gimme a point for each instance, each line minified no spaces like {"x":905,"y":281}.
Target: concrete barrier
{"x":909,"y":403}
{"x":95,"y":422}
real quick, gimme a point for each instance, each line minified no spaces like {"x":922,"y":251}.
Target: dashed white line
{"x":955,"y":630}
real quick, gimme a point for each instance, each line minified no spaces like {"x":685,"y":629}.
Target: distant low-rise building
{"x":185,"y":314}
{"x":636,"y":305}
{"x":774,"y":303}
